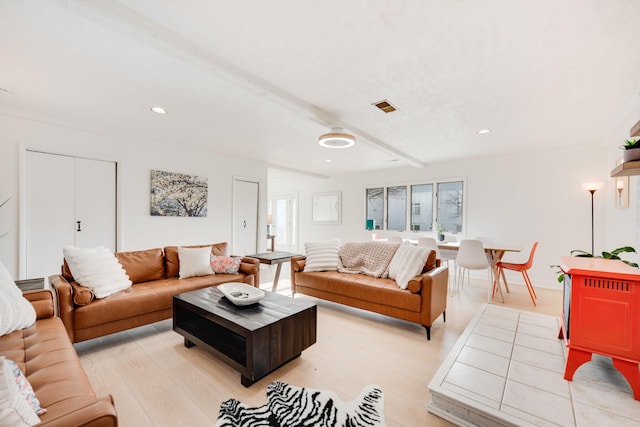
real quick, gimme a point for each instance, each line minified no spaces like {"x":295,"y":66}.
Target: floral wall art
{"x":177,"y":194}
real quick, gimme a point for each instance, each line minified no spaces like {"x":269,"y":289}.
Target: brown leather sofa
{"x":47,"y":358}
{"x":154,"y":273}
{"x":422,"y":302}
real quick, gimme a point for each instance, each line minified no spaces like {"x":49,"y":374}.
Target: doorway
{"x":245,"y":216}
{"x":284,"y":211}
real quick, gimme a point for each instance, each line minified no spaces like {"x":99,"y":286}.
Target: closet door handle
{"x":244,"y":224}
{"x":79,"y":223}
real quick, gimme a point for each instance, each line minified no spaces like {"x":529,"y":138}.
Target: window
{"x":450,"y":206}
{"x":397,"y":208}
{"x":416,"y":207}
{"x":375,"y":206}
{"x":422,"y":207}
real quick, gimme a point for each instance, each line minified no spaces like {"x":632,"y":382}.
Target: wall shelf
{"x":626,"y":169}
{"x":635,"y":130}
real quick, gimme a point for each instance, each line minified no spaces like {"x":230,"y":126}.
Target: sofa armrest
{"x":42,"y":301}
{"x":298,"y":263}
{"x":101,"y":413}
{"x":64,"y":296}
{"x":251,"y":266}
{"x":434,"y":293}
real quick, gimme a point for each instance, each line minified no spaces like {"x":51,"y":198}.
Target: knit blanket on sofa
{"x":370,"y":258}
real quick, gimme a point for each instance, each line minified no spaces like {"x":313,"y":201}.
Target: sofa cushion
{"x":172,"y":262}
{"x":142,"y":298}
{"x":225,"y":264}
{"x":360,"y":286}
{"x":143,"y":266}
{"x":46,"y":356}
{"x":432,"y":262}
{"x":322,"y":256}
{"x":96,"y":268}
{"x":407,"y":263}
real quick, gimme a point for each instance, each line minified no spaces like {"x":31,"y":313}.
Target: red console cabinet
{"x":602,"y":315}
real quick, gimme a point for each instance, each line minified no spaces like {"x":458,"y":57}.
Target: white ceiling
{"x":263,"y":79}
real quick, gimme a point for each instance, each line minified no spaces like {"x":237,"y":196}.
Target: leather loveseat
{"x":422,"y":302}
{"x":46,"y":356}
{"x":154,"y":273}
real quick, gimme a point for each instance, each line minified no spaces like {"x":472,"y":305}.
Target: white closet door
{"x":60,"y":191}
{"x":95,"y":204}
{"x":49,"y":212}
{"x":245,"y":217}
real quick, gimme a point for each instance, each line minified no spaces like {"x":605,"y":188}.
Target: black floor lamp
{"x":592,"y":187}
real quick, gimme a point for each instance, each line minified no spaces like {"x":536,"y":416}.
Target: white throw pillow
{"x":15,"y":311}
{"x":407,"y":263}
{"x":322,"y":256}
{"x":15,"y":410}
{"x":97,"y":269}
{"x":194,"y":261}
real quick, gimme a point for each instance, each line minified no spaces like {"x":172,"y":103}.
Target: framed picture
{"x":326,"y":208}
{"x":178,"y":194}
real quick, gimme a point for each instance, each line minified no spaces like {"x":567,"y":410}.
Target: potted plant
{"x":631,"y":150}
{"x":614,"y":254}
{"x":440,"y":229}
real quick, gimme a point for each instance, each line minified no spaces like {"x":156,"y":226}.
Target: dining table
{"x":495,"y":252}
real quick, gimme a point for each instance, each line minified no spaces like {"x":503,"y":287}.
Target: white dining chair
{"x":431,"y":243}
{"x":487,"y":241}
{"x":394,"y":239}
{"x":471,"y":256}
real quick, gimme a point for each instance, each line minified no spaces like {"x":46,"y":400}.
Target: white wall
{"x":517,"y":199}
{"x":622,"y":225}
{"x":137,"y":229}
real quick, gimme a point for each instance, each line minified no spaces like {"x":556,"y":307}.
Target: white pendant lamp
{"x":337,"y":138}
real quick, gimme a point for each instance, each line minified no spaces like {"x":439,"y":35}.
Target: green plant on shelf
{"x":630,"y":143}
{"x":614,"y":254}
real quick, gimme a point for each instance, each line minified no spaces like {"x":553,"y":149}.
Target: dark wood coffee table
{"x":254,"y":340}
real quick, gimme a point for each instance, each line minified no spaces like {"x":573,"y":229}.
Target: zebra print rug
{"x":288,"y":405}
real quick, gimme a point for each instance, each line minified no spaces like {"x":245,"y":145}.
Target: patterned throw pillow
{"x":17,"y":404}
{"x":225,"y":264}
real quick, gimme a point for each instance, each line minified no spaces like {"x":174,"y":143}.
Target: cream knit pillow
{"x":407,"y":263}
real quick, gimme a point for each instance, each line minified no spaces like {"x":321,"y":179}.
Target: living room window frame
{"x":410,"y":204}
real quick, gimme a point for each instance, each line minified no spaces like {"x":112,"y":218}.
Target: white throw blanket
{"x":370,"y":258}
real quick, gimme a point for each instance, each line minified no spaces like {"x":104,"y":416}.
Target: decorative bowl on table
{"x":241,"y":293}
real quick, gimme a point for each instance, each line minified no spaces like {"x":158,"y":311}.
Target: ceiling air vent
{"x":385,"y":106}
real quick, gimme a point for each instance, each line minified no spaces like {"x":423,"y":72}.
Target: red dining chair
{"x":522,"y":268}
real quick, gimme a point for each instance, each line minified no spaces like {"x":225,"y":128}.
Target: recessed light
{"x":484,"y":131}
{"x":328,"y":160}
{"x":158,"y":110}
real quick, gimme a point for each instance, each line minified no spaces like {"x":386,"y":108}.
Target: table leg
{"x":495,"y":257}
{"x":276,"y":277}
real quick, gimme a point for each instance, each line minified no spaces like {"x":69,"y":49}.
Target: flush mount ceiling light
{"x":337,"y":138}
{"x":158,"y":110}
{"x":484,"y":131}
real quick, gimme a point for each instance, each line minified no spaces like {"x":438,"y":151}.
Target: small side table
{"x":274,"y":258}
{"x":30,"y":284}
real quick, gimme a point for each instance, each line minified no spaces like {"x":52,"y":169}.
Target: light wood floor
{"x":156,"y":381}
